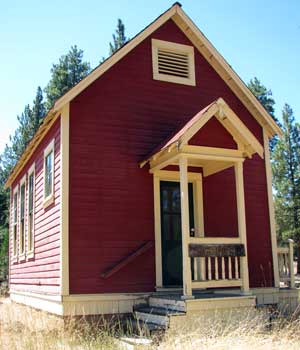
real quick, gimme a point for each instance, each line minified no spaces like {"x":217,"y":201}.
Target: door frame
{"x":166,"y":175}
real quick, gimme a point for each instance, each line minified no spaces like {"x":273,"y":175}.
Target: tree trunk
{"x":298,"y":258}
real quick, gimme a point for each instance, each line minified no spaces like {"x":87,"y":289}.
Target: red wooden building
{"x":151,"y":174}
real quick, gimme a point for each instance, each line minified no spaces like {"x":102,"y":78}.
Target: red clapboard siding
{"x":213,"y":134}
{"x":41,"y":274}
{"x":114,"y":124}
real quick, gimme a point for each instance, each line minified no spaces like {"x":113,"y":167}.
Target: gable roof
{"x":225,"y":115}
{"x":199,"y":41}
{"x":206,"y":49}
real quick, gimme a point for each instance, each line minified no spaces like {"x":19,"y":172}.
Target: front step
{"x":156,"y":315}
{"x":146,"y":329}
{"x":150,"y":317}
{"x":154,"y":319}
{"x":167,"y":303}
{"x":169,"y":311}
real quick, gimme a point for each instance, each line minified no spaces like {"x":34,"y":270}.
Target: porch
{"x":207,"y":262}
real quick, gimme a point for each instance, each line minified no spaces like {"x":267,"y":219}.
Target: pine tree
{"x":286,"y":175}
{"x":38,"y":109}
{"x":29,"y":121}
{"x":68,"y":72}
{"x":119,"y":38}
{"x":264,"y":96}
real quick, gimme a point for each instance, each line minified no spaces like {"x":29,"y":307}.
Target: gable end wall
{"x":114,"y":124}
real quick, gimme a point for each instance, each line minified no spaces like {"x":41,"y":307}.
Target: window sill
{"x":22,"y":257}
{"x":48,"y":201}
{"x":173,"y":79}
{"x":14,"y":259}
{"x":30,"y":255}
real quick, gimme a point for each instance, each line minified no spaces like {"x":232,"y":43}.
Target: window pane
{"x":30,"y":229}
{"x":30,"y":193}
{"x":48,"y":174}
{"x":15,"y":239}
{"x":22,"y":201}
{"x":15,"y":207}
{"x":22,"y":236}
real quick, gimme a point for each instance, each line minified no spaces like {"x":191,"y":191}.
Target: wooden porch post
{"x":185,"y":229}
{"x":291,"y":263}
{"x":240,"y":199}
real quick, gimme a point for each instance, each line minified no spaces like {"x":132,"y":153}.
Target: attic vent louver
{"x":176,"y":64}
{"x":173,"y":62}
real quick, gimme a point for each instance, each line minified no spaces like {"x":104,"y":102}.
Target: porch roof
{"x":177,"y":141}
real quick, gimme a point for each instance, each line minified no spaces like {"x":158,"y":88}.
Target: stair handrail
{"x":143,"y":248}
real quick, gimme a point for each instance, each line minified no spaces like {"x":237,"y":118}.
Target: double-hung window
{"x":30,"y":237}
{"x":15,"y":221}
{"x":22,"y":216}
{"x":49,"y":174}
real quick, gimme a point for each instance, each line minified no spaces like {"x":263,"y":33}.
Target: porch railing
{"x":286,"y":265}
{"x":216,"y":262}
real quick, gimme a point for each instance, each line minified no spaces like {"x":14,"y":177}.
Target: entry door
{"x":171,"y":231}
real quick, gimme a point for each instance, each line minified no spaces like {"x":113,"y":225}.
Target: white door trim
{"x":166,"y":175}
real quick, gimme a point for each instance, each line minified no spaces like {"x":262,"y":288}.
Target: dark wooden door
{"x":171,"y":231}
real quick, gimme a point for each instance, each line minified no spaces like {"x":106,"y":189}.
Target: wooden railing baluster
{"x":236,"y":267}
{"x":216,"y":269}
{"x":223,"y":268}
{"x":229,"y":268}
{"x":209,"y":267}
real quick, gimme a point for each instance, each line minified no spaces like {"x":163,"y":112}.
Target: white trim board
{"x":271,"y":210}
{"x":64,"y":203}
{"x":165,"y":175}
{"x":81,"y":304}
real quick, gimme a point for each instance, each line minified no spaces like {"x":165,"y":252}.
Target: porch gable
{"x":211,"y":159}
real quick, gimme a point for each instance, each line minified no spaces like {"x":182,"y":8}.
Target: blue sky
{"x":257,"y":38}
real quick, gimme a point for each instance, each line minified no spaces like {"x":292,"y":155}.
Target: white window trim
{"x":49,"y":199}
{"x":160,"y":44}
{"x":31,"y":171}
{"x":15,"y":243}
{"x":22,"y":254}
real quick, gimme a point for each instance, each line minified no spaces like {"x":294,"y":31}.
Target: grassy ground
{"x":23,"y":328}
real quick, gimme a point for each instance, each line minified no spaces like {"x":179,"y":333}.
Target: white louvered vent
{"x":173,"y":62}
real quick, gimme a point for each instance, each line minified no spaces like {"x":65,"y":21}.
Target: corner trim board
{"x":64,"y":246}
{"x":271,"y":209}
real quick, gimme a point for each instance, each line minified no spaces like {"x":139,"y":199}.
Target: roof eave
{"x":31,"y":147}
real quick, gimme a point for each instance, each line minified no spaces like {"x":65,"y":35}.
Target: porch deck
{"x":214,"y":294}
{"x":203,"y":300}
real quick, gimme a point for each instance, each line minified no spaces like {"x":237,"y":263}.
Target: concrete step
{"x":167,"y":303}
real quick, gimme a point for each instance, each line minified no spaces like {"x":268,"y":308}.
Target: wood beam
{"x":185,"y":229}
{"x":240,"y":199}
{"x":271,"y":210}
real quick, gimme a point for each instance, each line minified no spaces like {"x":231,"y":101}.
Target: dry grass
{"x":23,"y":328}
{"x":252,"y":333}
